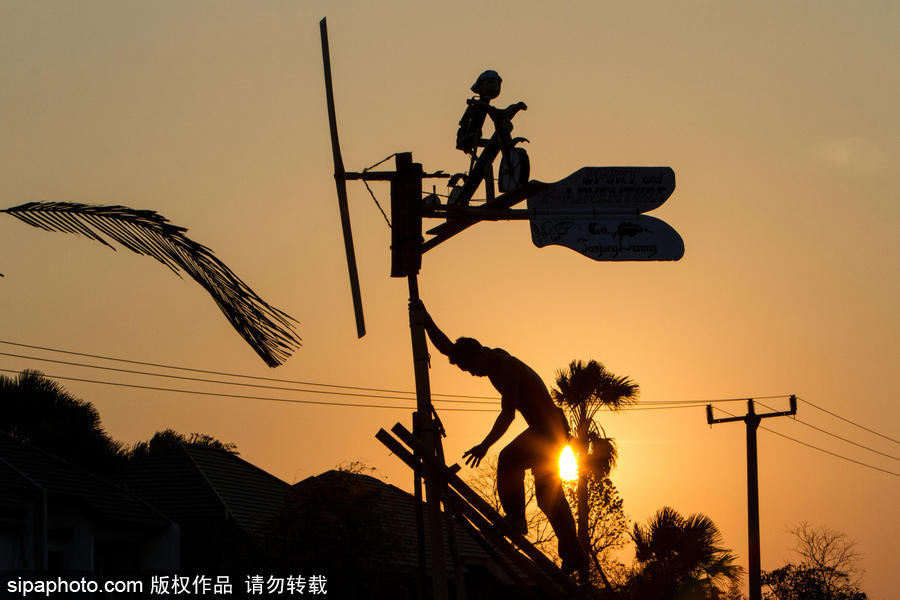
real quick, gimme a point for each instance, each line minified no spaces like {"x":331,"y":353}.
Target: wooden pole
{"x":341,"y":183}
{"x":407,"y":189}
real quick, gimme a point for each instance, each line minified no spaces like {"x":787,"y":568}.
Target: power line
{"x":832,"y":453}
{"x":658,"y":405}
{"x":821,"y":449}
{"x":848,"y":420}
{"x":243,"y":397}
{"x":227,"y":374}
{"x":219,"y":381}
{"x":317,"y":384}
{"x":644,"y":405}
{"x":843,"y":439}
{"x":359,"y":405}
{"x":741,"y":399}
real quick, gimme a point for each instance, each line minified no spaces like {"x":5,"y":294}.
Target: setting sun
{"x":568,"y":466}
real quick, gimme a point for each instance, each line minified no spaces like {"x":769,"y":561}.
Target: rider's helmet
{"x":487,"y":85}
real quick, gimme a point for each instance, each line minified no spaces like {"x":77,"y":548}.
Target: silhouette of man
{"x":537,"y":448}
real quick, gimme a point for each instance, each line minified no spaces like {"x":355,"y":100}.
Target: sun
{"x":568,"y":466}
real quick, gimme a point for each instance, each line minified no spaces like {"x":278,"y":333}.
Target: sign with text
{"x":616,"y":190}
{"x":610,"y":237}
{"x":596,"y":211}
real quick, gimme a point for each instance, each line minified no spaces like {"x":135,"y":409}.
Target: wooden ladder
{"x":512,"y":552}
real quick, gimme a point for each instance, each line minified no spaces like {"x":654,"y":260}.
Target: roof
{"x":395,"y":511}
{"x":26,"y":470}
{"x":194,"y":483}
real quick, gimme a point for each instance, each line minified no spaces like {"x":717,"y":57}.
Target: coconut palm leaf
{"x":269,"y":331}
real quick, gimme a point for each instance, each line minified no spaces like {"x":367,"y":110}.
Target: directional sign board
{"x":617,"y":190}
{"x":611,"y":237}
{"x":596,"y":211}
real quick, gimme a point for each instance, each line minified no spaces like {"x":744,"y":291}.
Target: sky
{"x":779,"y":119}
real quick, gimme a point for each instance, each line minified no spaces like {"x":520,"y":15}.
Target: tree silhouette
{"x":828,"y":569}
{"x":805,"y":582}
{"x":582,"y":390}
{"x":607,"y":529}
{"x":681,"y":557}
{"x":163,"y":441}
{"x":39,"y":411}
{"x":829,"y":550}
{"x":269,"y":331}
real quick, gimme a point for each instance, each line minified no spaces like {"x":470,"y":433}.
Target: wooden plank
{"x":501,"y":550}
{"x":478,"y":503}
{"x":464,"y":509}
{"x":452,"y":226}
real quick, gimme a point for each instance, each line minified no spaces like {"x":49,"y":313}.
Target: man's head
{"x":469,"y":355}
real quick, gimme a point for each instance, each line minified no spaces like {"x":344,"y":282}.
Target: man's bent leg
{"x":552,"y":500}
{"x":511,"y":465}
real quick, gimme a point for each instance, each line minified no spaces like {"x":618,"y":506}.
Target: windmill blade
{"x":341,"y":183}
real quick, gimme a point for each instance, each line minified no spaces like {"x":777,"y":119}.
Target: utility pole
{"x":406,"y":260}
{"x":751,"y":420}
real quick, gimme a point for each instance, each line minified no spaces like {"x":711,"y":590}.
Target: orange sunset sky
{"x":780,"y":120}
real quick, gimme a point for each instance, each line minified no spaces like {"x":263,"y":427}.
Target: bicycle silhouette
{"x":514,"y":164}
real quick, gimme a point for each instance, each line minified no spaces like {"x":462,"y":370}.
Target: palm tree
{"x":583,"y":390}
{"x":269,"y":331}
{"x":168,"y":439}
{"x":39,"y":411}
{"x":681,"y":557}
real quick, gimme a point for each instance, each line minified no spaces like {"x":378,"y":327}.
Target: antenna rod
{"x":341,"y":183}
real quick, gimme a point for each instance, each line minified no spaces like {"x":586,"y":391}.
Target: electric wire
{"x":787,"y":437}
{"x":244,"y":397}
{"x":253,"y":385}
{"x":834,"y":435}
{"x":646,"y":405}
{"x":650,"y":405}
{"x":643,"y":403}
{"x":394,"y":407}
{"x":254,"y":377}
{"x":825,"y":410}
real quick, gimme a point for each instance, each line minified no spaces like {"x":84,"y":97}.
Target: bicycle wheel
{"x":514,"y":170}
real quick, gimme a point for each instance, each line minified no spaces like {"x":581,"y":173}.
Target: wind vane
{"x":596,"y":211}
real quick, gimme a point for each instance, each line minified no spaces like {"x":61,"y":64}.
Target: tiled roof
{"x":193,"y":483}
{"x":28,"y":468}
{"x":251,"y":495}
{"x":395,"y":511}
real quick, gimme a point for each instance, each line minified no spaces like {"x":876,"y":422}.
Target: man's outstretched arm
{"x":438,"y":338}
{"x":504,"y":420}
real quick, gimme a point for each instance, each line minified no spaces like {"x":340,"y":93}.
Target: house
{"x":361,"y":533}
{"x":198,"y":509}
{"x":57,"y":516}
{"x":222,"y":503}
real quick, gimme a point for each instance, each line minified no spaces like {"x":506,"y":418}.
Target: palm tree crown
{"x":582,"y":390}
{"x":681,"y":555}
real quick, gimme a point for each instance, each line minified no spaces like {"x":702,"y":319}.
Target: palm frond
{"x":269,"y":331}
